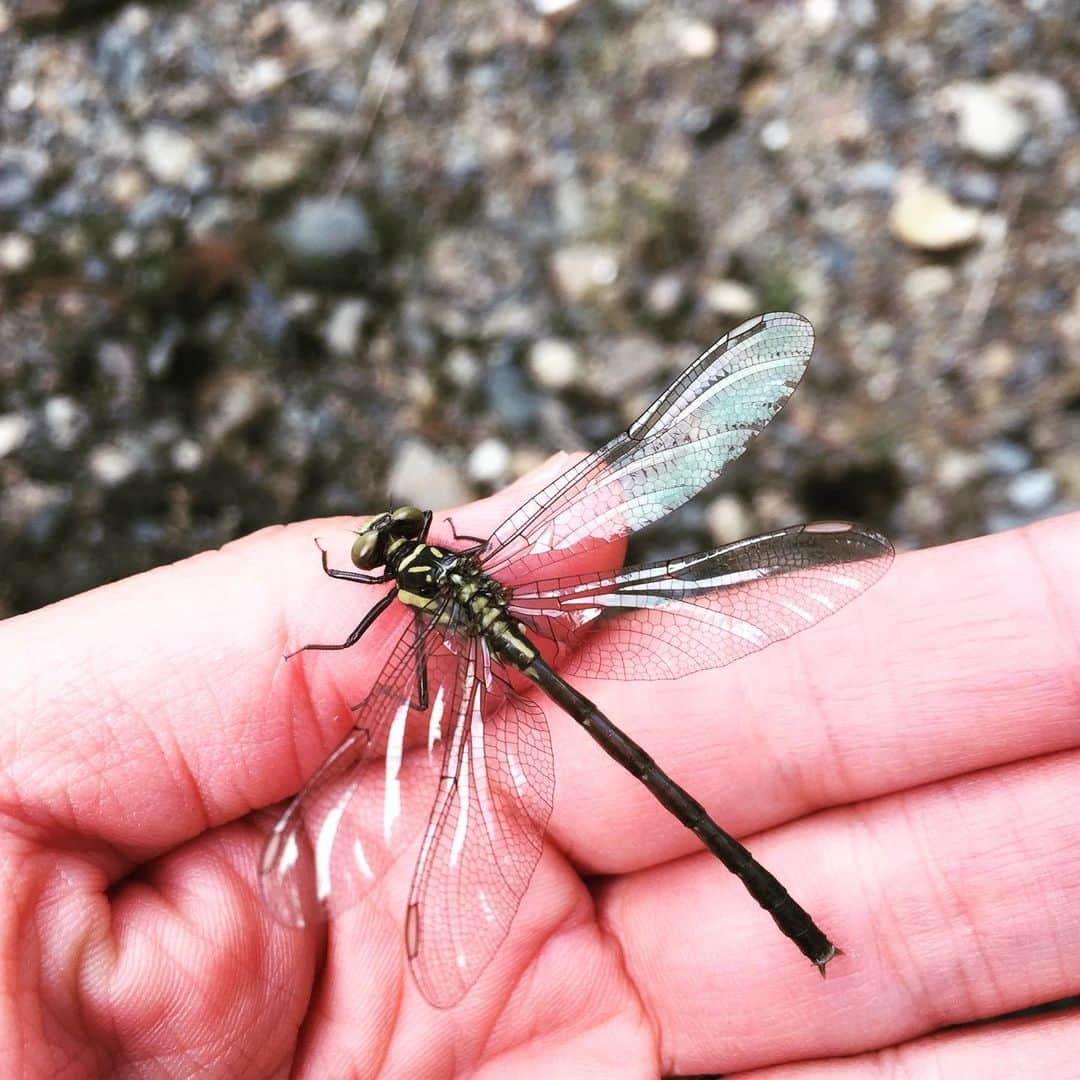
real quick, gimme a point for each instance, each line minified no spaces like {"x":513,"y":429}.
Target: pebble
{"x":187,"y":455}
{"x":876,"y":177}
{"x":1033,"y":491}
{"x":731,"y":299}
{"x":1006,"y":458}
{"x":987,"y":125}
{"x":728,"y":520}
{"x":113,"y":464}
{"x":172,"y":157}
{"x":926,"y":218}
{"x":927,"y":283}
{"x":16,"y":253}
{"x":327,"y":230}
{"x":14,"y":428}
{"x":665,"y":296}
{"x":489,"y":462}
{"x":555,"y":9}
{"x":775,"y":135}
{"x":65,"y":421}
{"x":421,"y":476}
{"x":582,"y":270}
{"x":17,"y":186}
{"x":554,"y":363}
{"x":342,"y":330}
{"x":696,"y":38}
{"x":277,"y":167}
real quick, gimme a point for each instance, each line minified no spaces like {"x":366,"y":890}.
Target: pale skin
{"x":908,"y":768}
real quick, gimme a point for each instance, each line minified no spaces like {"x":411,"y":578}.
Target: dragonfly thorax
{"x":452,"y":587}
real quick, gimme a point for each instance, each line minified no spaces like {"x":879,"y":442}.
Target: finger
{"x":179,"y":973}
{"x":1035,"y":1046}
{"x":953,"y":902}
{"x":961,"y":658}
{"x":144,"y":712}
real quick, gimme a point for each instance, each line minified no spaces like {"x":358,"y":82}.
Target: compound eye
{"x":409,"y":520}
{"x":368,"y":550}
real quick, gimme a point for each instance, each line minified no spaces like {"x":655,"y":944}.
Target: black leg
{"x":480,"y":541}
{"x":421,"y":702}
{"x":351,"y":575}
{"x":355,"y":636}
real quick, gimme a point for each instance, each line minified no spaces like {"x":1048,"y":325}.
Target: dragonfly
{"x":447,"y":734}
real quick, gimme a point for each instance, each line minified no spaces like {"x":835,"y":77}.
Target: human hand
{"x":906,"y":768}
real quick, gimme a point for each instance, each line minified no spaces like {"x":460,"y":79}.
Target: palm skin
{"x":908,"y":769}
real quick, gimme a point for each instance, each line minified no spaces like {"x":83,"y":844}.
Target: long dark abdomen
{"x":761,"y":885}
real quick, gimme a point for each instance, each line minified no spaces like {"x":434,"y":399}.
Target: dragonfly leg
{"x":350,"y":575}
{"x":421,"y":702}
{"x":480,"y":541}
{"x":358,"y":633}
{"x":792,"y":919}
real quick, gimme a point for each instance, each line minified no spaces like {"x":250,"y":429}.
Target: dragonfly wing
{"x":677,"y":446}
{"x":707,"y":609}
{"x":485,"y":835}
{"x":342,"y":830}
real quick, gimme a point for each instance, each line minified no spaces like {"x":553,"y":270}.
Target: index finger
{"x":143,"y":712}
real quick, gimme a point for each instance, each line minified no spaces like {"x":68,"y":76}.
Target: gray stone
{"x":421,"y":476}
{"x":327,"y":230}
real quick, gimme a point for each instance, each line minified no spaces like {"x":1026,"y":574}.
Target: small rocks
{"x":113,"y":463}
{"x":1032,"y":491}
{"x":728,"y":520}
{"x":171,"y":157}
{"x":554,"y":364}
{"x":420,"y":476}
{"x":730,"y":299}
{"x":926,"y":218}
{"x":16,"y":253}
{"x":327,"y":231}
{"x":987,"y":125}
{"x":65,"y":421}
{"x":582,"y":270}
{"x":14,"y":428}
{"x":489,"y":462}
{"x":342,"y":330}
{"x":17,"y":186}
{"x":695,"y":38}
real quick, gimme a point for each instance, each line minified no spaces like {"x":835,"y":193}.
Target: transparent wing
{"x":346,"y":825}
{"x":485,"y":835}
{"x":708,"y":609}
{"x":677,"y":446}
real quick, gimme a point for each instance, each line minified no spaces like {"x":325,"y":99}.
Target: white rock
{"x":14,"y":427}
{"x":420,"y":476}
{"x":554,"y":363}
{"x":926,"y":218}
{"x":489,"y":462}
{"x":728,"y":520}
{"x":112,"y":464}
{"x":987,"y":125}
{"x":695,"y":37}
{"x":65,"y":419}
{"x":342,"y":330}
{"x":16,"y":252}
{"x":926,"y":283}
{"x":731,"y":299}
{"x":775,"y":135}
{"x":187,"y":455}
{"x":170,"y":155}
{"x":554,"y":9}
{"x":583,"y":269}
{"x":1033,"y":491}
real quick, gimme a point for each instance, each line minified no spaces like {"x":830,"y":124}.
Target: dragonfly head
{"x":373,"y":540}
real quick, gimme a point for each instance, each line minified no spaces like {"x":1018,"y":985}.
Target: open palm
{"x":908,"y":769}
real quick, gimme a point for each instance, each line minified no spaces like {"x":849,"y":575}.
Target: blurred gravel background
{"x":230,"y":299}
